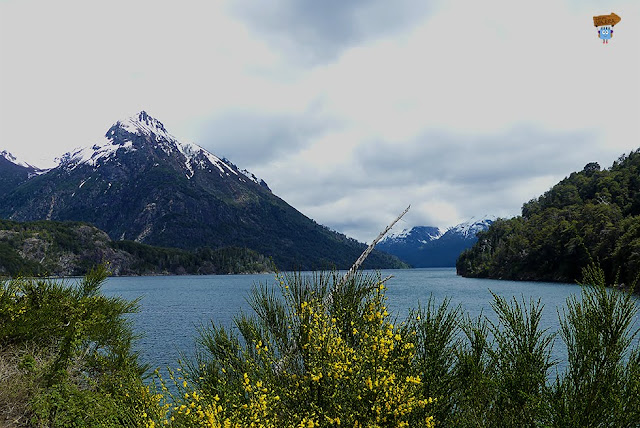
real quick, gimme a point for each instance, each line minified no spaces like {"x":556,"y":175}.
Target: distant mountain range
{"x":427,"y":246}
{"x":139,"y":183}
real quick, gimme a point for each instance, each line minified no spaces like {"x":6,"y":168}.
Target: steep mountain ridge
{"x":140,"y":183}
{"x":470,"y":228}
{"x":14,"y":172}
{"x":143,"y":132}
{"x":416,"y":235}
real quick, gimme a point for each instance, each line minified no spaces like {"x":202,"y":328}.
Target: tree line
{"x":590,"y":216}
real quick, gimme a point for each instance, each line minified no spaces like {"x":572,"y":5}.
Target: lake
{"x":173,"y":307}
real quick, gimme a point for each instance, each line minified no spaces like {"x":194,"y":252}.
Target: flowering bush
{"x":324,"y":353}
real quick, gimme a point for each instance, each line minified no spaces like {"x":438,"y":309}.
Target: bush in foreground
{"x":321,"y":352}
{"x":66,"y":359}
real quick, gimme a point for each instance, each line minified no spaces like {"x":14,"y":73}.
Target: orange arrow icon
{"x":611,"y":19}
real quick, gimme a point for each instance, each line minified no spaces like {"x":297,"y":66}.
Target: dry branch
{"x":366,"y":252}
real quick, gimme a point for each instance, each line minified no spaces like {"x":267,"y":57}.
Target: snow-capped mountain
{"x":426,"y":246}
{"x":471,"y":227}
{"x":8,"y":156}
{"x":14,"y":160}
{"x":418,"y":235}
{"x":136,"y":132}
{"x":142,"y":184}
{"x":11,"y":158}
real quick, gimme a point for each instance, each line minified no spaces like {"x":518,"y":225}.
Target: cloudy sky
{"x":350,"y":110}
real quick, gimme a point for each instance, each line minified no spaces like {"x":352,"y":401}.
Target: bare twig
{"x":366,"y":252}
{"x":328,"y":299}
{"x":386,"y":278}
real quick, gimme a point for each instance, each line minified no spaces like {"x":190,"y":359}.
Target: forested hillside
{"x":73,"y":248}
{"x":592,"y":215}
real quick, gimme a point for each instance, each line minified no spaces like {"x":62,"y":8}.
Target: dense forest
{"x":590,"y":216}
{"x":72,"y":248}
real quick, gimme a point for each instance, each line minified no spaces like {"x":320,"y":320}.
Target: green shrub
{"x":600,"y":387}
{"x":69,"y":353}
{"x":319,"y":352}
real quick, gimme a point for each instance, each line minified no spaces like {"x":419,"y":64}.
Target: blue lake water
{"x":173,"y":307}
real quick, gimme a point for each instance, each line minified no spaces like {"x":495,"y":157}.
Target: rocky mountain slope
{"x":13,"y":172}
{"x":140,"y":183}
{"x":73,"y":248}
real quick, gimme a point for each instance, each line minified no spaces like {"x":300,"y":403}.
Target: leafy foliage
{"x":231,"y":260}
{"x":590,"y":216}
{"x":69,"y":353}
{"x":318,"y":352}
{"x":321,"y":354}
{"x":597,"y":330}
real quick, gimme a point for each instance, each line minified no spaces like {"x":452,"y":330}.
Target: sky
{"x":349,"y":110}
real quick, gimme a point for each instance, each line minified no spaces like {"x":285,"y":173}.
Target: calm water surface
{"x":173,"y":307}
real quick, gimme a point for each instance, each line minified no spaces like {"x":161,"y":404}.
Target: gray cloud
{"x":523,"y":153}
{"x":315,"y":31}
{"x":437,"y":172}
{"x":491,"y":163}
{"x":253,"y":139}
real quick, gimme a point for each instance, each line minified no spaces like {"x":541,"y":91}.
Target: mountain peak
{"x":417,"y":234}
{"x":142,"y":124}
{"x":9,"y":156}
{"x":474,"y":225}
{"x":426,"y":246}
{"x":148,"y":137}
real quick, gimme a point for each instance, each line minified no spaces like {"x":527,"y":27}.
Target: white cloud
{"x":338,"y":134}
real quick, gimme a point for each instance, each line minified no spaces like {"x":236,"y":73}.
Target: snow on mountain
{"x":124,"y":136}
{"x":418,"y":234}
{"x":471,"y":227}
{"x":143,"y":124}
{"x":250,"y":176}
{"x":103,"y":150}
{"x":394,"y":236}
{"x":196,"y":157}
{"x":32,"y":170}
{"x":424,"y":246}
{"x":13,"y":159}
